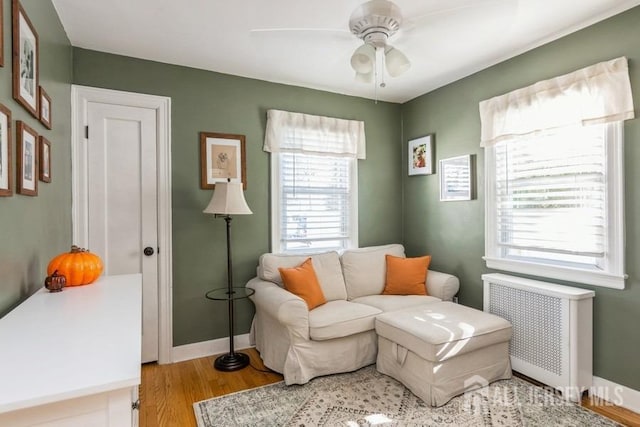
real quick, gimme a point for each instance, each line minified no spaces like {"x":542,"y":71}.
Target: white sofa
{"x":338,"y":336}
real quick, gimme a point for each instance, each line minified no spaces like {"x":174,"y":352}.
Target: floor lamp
{"x":227,"y":200}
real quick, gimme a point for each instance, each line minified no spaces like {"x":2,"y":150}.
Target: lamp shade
{"x":363,"y":59}
{"x":228,"y":199}
{"x":396,"y":61}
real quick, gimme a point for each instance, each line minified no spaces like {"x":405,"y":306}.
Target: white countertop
{"x":81,"y":341}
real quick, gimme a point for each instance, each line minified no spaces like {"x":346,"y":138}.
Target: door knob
{"x":148,"y":251}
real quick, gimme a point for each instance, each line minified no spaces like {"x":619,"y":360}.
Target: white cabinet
{"x":72,"y":358}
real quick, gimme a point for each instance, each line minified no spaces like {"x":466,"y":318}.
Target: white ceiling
{"x":444,"y":39}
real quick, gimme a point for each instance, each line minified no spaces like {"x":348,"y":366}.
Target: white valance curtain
{"x":308,"y":134}
{"x":600,"y":93}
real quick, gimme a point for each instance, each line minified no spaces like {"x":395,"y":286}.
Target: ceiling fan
{"x":375,"y":22}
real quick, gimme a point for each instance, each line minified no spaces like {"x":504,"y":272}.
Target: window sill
{"x":576,"y":275}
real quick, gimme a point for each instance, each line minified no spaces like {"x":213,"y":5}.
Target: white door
{"x":122,"y":202}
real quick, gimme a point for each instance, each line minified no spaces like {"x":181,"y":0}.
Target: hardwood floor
{"x":167,"y":392}
{"x":616,"y":413}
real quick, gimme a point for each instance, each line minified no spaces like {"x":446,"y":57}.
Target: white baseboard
{"x":208,"y":348}
{"x":615,"y":393}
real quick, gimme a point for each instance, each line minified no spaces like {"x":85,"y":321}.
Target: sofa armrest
{"x":442,"y":285}
{"x":289,"y":309}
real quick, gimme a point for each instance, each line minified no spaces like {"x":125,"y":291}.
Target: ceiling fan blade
{"x":330,"y":35}
{"x":299,"y":30}
{"x":411,"y":23}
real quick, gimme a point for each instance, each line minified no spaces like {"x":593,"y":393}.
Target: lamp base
{"x":231,"y":362}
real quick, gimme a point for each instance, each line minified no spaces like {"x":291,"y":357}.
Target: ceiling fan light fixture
{"x":363,"y":59}
{"x":364,"y":77}
{"x":375,"y":21}
{"x":396,"y":62}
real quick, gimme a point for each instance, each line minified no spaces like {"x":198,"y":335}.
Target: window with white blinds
{"x":551,"y":196}
{"x":554,"y":171}
{"x":314,"y":181}
{"x":554,"y":201}
{"x":314,"y":203}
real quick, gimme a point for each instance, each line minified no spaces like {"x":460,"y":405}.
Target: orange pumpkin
{"x":79,"y":266}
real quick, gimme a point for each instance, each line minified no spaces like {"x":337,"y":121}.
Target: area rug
{"x":368,"y":398}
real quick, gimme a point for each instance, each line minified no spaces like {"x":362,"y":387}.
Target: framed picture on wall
{"x":457,"y":178}
{"x":45,"y":108}
{"x":26,"y":60}
{"x":420,"y":155}
{"x":27,"y":159}
{"x":222,"y":157}
{"x":6,"y":171}
{"x":1,"y":34}
{"x":44,"y":155}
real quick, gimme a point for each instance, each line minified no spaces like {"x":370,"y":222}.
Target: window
{"x":555,"y":190}
{"x":314,"y":202}
{"x":314,"y":197}
{"x":553,"y":202}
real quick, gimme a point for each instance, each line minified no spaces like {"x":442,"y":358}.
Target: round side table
{"x":230,"y":361}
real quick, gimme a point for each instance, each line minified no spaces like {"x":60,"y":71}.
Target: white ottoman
{"x":441,"y":350}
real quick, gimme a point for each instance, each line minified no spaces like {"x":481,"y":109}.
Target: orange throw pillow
{"x":303,"y":282}
{"x":406,"y":276}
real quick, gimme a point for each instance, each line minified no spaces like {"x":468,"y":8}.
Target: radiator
{"x":552,"y":330}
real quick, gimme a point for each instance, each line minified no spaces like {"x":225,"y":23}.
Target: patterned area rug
{"x":368,"y":398}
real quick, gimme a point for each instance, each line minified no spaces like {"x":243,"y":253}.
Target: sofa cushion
{"x":365,"y":269}
{"x":337,"y":319}
{"x":442,"y":330}
{"x":326,"y":266}
{"x":406,"y":276}
{"x":395,"y":302}
{"x":303,"y":282}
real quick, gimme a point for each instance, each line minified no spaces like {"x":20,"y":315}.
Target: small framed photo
{"x":44,"y":154}
{"x":6,"y":171}
{"x":45,"y":108}
{"x":27,"y":159}
{"x":25,"y":60}
{"x":421,"y":155}
{"x":457,"y":178}
{"x":222,"y":157}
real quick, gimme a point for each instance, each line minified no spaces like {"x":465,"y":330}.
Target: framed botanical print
{"x":45,"y":108}
{"x":6,"y":171}
{"x":222,"y":158}
{"x":26,"y":60}
{"x":421,"y":156}
{"x":27,"y":159}
{"x":44,"y":155}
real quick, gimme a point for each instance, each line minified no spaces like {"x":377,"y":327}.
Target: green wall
{"x":208,"y":101}
{"x":34,"y":229}
{"x":453,"y":232}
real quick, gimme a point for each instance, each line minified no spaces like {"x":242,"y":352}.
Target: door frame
{"x":81,"y":96}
